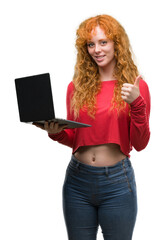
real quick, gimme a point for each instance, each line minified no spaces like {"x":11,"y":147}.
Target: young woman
{"x":107,"y":93}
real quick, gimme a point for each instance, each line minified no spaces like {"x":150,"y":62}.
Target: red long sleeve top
{"x":126,"y":130}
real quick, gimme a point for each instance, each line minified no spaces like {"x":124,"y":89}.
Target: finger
{"x":46,"y":125}
{"x":126,"y":89}
{"x":125,"y":93}
{"x":137,"y":80}
{"x":64,"y":126}
{"x":124,"y":97}
{"x":128,"y":85}
{"x":60,"y":128}
{"x":51,"y":125}
{"x":56,"y":126}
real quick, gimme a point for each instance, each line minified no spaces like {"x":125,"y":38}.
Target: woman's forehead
{"x":97,"y":32}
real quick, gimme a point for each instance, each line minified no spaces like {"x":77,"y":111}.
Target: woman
{"x":107,"y":93}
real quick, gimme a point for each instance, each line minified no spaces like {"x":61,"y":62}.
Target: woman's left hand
{"x":129,"y":92}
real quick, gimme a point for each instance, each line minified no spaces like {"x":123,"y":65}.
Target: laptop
{"x":35,"y":101}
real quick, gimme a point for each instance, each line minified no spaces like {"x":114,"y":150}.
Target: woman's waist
{"x":100,"y":155}
{"x":77,"y":166}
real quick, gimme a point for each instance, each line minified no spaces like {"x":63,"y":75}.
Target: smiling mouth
{"x":100,"y":57}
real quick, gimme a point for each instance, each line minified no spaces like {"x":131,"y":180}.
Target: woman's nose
{"x":97,"y":48}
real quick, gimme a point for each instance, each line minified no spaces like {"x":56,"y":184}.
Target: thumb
{"x":137,"y":80}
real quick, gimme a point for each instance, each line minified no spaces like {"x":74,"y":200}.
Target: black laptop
{"x":35,"y":101}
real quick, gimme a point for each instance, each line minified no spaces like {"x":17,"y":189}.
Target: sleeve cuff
{"x":54,"y":135}
{"x":137,"y":101}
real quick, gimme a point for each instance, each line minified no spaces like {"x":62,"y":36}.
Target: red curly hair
{"x":86,"y":76}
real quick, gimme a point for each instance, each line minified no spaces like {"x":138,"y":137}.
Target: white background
{"x":38,"y":36}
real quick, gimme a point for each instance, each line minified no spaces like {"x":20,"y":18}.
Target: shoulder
{"x":70,"y":90}
{"x":143,"y":84}
{"x":144,"y":89}
{"x":70,"y":87}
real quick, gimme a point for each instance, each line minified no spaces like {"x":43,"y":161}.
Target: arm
{"x":66,"y":136}
{"x":140,"y":112}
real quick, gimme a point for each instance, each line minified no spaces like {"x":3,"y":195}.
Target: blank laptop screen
{"x":34,"y":97}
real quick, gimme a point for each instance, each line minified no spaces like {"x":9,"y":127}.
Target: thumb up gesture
{"x":129,"y":92}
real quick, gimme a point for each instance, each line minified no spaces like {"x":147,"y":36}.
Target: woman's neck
{"x":107,"y":72}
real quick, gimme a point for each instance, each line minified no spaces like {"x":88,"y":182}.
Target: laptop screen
{"x":34,"y":96}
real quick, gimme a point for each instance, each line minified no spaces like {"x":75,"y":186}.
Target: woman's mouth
{"x":100,"y":58}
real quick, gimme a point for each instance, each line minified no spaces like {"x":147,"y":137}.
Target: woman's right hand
{"x":51,"y":127}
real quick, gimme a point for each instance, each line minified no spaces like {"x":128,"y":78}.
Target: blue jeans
{"x":104,"y":196}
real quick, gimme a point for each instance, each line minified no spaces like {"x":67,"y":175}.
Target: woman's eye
{"x":90,"y":44}
{"x":104,"y":42}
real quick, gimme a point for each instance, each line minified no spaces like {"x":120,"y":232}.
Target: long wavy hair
{"x":86,"y":79}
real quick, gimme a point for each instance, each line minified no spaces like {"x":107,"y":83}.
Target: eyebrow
{"x":102,"y":39}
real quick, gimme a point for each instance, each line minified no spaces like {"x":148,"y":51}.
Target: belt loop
{"x":123,"y":163}
{"x":106,"y":171}
{"x":77,"y":166}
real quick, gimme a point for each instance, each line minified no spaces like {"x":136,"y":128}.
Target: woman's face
{"x":101,"y":48}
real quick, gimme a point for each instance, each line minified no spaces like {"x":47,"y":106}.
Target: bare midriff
{"x":100,"y":155}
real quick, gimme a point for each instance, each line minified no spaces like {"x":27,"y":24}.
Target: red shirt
{"x":107,"y":127}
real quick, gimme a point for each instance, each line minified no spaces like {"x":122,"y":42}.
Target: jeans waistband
{"x":76,"y":164}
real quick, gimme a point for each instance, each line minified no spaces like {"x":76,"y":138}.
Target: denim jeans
{"x":99,"y":196}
